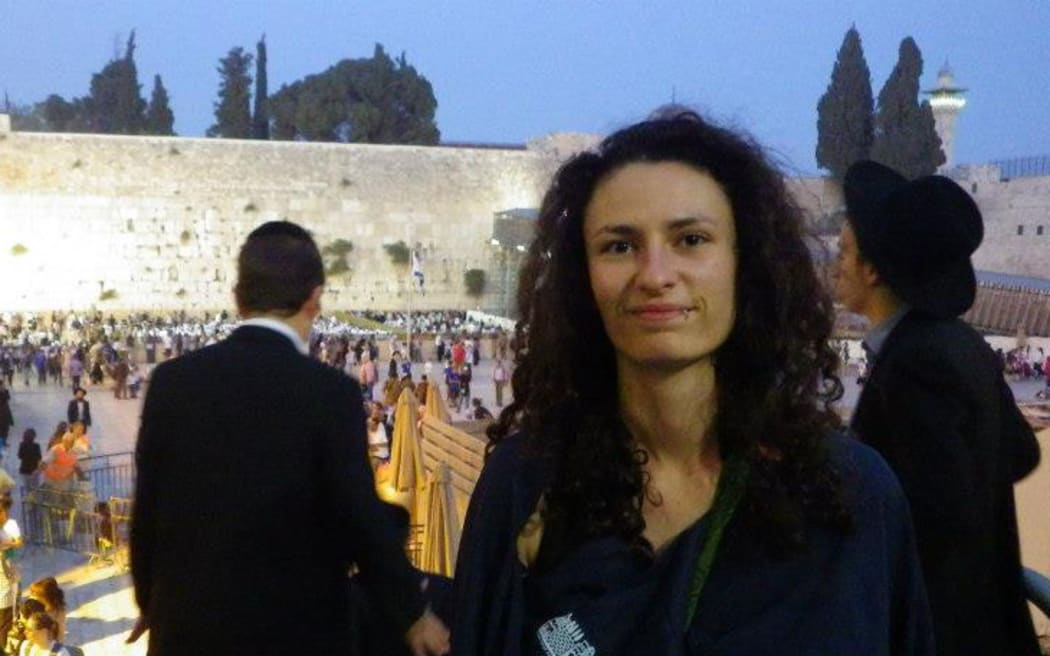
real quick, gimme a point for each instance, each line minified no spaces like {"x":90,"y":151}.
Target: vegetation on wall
{"x":19,"y":249}
{"x":107,"y":295}
{"x":399,"y":252}
{"x":335,"y":254}
{"x":474,"y":282}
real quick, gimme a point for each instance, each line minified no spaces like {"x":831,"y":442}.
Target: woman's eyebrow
{"x":627,"y":229}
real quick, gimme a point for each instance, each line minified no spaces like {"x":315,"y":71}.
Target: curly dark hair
{"x":775,"y":372}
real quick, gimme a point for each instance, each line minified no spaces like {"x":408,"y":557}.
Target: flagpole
{"x":411,"y":292}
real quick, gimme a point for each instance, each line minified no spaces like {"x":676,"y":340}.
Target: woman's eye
{"x":617,"y":247}
{"x":693,"y":239}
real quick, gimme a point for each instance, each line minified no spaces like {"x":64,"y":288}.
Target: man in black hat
{"x":935,"y":404}
{"x":78,"y":408}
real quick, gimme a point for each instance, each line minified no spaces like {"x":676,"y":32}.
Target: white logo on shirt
{"x":562,"y":636}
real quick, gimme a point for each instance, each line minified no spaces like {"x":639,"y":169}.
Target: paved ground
{"x":101,"y":605}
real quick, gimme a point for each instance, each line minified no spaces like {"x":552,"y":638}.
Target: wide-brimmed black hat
{"x":919,"y":235}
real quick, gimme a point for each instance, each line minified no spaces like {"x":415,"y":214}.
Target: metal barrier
{"x":93,"y":518}
{"x":111,"y":474}
{"x":77,"y":521}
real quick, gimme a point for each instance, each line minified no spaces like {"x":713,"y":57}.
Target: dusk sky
{"x":507,"y":72}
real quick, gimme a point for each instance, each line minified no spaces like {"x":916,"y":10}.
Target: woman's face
{"x":39,"y":636}
{"x":660,"y":243}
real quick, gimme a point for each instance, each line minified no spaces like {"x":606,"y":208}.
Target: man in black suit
{"x":254,"y":496}
{"x":79,"y":409}
{"x":935,"y":404}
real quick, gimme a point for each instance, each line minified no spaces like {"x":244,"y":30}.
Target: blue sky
{"x":509,"y":71}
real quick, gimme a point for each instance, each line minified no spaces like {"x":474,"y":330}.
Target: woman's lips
{"x":660,"y":312}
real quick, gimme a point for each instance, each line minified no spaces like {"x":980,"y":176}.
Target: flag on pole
{"x":417,"y":268}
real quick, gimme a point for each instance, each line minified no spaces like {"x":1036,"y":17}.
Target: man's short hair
{"x":277,"y":269}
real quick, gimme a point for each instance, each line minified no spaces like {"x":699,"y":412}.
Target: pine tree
{"x":375,"y":100}
{"x":905,"y":138}
{"x":844,"y":113}
{"x":115,"y":104}
{"x":233,"y":119}
{"x":261,"y":116}
{"x":159,"y":117}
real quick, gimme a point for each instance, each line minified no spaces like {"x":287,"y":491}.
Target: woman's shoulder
{"x":509,"y":458}
{"x":512,"y":478}
{"x":866,"y":476}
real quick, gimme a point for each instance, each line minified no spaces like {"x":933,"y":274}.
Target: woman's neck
{"x":669,"y":411}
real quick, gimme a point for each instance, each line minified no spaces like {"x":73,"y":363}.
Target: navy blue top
{"x":855,"y":593}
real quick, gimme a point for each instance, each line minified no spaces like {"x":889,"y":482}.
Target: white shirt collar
{"x":280,"y":327}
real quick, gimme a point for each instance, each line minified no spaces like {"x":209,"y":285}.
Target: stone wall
{"x":154,"y":223}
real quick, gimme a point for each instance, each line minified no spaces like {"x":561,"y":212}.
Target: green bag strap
{"x":730,"y":490}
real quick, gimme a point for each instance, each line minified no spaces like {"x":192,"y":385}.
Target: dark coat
{"x":71,"y":412}
{"x":857,"y":593}
{"x":938,"y":410}
{"x":254,"y":498}
{"x":7,"y":420}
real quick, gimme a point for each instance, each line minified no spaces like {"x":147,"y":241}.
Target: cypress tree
{"x":261,"y":116}
{"x":905,"y":138}
{"x":115,"y":104}
{"x":844,"y":113}
{"x":159,"y":117}
{"x":233,"y":118}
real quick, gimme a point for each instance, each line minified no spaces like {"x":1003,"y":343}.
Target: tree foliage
{"x":25,"y":118}
{"x":159,"y":117}
{"x":261,"y":113}
{"x":233,"y":119}
{"x":905,"y":135}
{"x":376,"y":100}
{"x":114,"y":104}
{"x":844,"y":113}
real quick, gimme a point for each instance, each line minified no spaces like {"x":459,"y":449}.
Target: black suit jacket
{"x":254,"y":498}
{"x":938,"y":410}
{"x":72,"y":414}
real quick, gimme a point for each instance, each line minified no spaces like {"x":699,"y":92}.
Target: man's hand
{"x":141,"y":626}
{"x":428,"y":636}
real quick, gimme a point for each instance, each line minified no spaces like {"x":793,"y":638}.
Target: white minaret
{"x":947,"y":101}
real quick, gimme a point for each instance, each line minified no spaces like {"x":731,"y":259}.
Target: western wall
{"x":154,"y":223}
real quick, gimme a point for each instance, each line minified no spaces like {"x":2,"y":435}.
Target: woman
{"x":60,"y":430}
{"x":59,"y":465}
{"x":6,"y":418}
{"x":29,"y":457}
{"x":42,"y":637}
{"x":17,"y":635}
{"x":378,"y":441}
{"x":667,"y":478}
{"x":47,"y":592}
